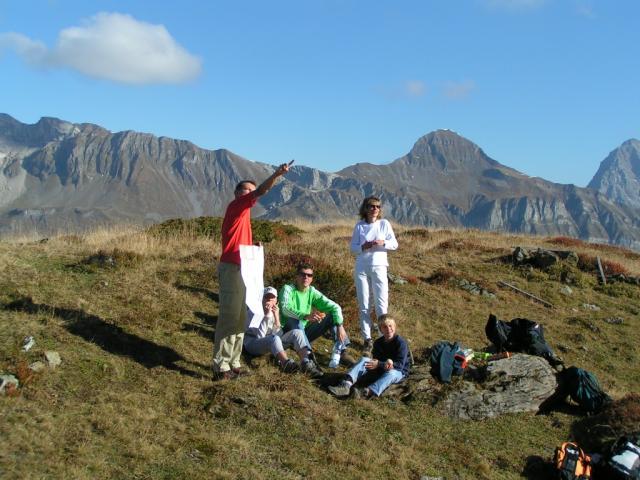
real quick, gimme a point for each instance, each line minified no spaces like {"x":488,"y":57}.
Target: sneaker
{"x":342,"y":389}
{"x":347,"y":360}
{"x":289,"y":366}
{"x":335,"y":360}
{"x":310,"y":368}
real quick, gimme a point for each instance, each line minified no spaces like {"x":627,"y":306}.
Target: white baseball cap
{"x":270,"y":291}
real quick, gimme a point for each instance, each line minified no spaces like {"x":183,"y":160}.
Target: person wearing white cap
{"x":269,"y":337}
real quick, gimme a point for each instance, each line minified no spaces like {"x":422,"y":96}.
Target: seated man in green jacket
{"x":304,"y":307}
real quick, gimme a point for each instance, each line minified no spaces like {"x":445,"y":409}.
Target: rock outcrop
{"x":517,"y":384}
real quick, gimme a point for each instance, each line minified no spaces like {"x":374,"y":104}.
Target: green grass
{"x":134,"y":398}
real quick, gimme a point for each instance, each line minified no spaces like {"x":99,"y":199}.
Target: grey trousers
{"x":275,"y":343}
{"x":232,"y":316}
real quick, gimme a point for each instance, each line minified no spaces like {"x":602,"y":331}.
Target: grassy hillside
{"x":133,"y":314}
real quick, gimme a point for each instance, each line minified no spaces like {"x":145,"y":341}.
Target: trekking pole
{"x":527,"y":294}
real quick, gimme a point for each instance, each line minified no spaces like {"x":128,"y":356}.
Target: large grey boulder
{"x":520,"y":383}
{"x":511,"y":385}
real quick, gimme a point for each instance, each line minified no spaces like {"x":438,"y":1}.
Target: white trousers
{"x":371,"y":284}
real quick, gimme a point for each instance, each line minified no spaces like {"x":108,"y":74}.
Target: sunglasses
{"x":371,"y":205}
{"x":305,"y":274}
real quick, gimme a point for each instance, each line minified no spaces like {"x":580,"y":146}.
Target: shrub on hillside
{"x":416,"y":234}
{"x":452,"y":244}
{"x":331,"y":280}
{"x":411,"y":279}
{"x":566,"y":273}
{"x":210,"y":227}
{"x":617,"y":249}
{"x":112,"y":259}
{"x":197,"y":227}
{"x":567,"y":241}
{"x":621,"y":417}
{"x":441,"y":276}
{"x":589,"y":263}
{"x":267,"y":231}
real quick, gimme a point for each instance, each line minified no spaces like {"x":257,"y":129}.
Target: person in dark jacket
{"x":390,"y":364}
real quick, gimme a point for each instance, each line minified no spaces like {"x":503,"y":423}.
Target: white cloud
{"x":458,"y":90}
{"x":410,"y":90}
{"x":33,"y":52}
{"x":415,"y":88}
{"x":114,"y":47}
{"x":515,"y":4}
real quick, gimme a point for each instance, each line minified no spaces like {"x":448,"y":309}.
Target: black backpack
{"x":624,"y":461}
{"x":498,"y":333}
{"x":519,"y":335}
{"x":584,"y":389}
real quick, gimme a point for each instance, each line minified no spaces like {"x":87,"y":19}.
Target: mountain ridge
{"x":57,"y":174}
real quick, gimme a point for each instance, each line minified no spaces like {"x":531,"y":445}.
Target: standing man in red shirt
{"x":232,"y":315}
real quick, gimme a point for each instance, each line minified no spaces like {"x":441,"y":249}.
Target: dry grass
{"x":133,"y":397}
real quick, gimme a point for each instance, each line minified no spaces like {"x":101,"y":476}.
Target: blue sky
{"x":548,"y":87}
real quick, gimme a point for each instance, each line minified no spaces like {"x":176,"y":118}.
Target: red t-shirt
{"x":236,"y":227}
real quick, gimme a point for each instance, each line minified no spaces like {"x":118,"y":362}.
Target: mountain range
{"x":59,"y":175}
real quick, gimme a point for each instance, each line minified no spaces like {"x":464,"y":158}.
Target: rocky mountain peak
{"x":14,"y":134}
{"x":632,"y":142}
{"x":447,"y":150}
{"x":618,"y":176}
{"x":54,"y":128}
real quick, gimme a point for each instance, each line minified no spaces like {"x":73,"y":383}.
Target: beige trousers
{"x":232,"y":316}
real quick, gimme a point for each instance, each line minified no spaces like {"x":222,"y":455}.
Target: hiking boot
{"x":367,"y":347}
{"x":310,"y":368}
{"x":223,"y":376}
{"x":289,"y":366}
{"x":360,"y":393}
{"x":342,"y":389}
{"x":555,"y":361}
{"x":239,"y":372}
{"x":347,"y":360}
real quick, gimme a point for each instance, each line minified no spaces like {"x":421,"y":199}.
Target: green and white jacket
{"x":298,"y":304}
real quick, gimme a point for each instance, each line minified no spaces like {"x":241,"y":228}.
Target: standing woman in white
{"x":372,"y":238}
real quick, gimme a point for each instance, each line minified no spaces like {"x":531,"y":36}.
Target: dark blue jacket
{"x":396,"y":349}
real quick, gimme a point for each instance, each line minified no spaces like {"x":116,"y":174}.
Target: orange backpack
{"x":572,"y":463}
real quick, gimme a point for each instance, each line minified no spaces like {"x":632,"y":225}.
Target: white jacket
{"x":368,"y":232}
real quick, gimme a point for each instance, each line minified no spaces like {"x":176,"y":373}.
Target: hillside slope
{"x":133,"y":397}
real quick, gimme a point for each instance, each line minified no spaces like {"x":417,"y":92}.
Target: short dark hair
{"x":365,"y":202}
{"x":303,"y":266}
{"x":239,"y":185}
